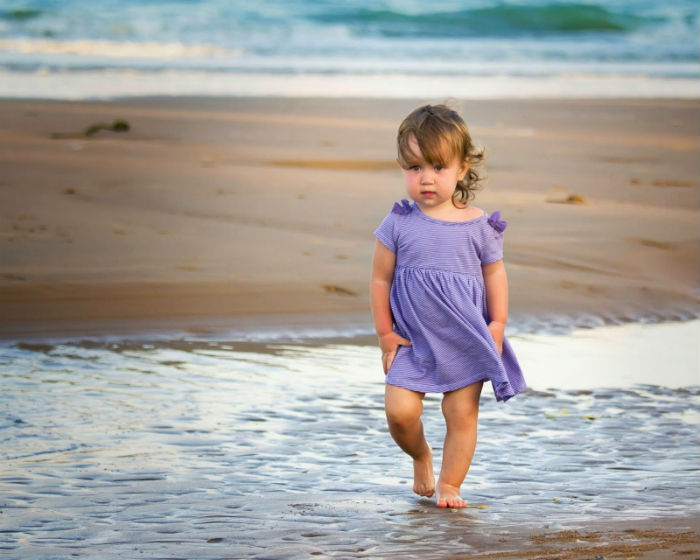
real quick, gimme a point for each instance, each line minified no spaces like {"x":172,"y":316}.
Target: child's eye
{"x":439,"y":168}
{"x":415,"y":168}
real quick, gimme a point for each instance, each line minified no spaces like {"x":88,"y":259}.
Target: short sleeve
{"x":492,"y":242}
{"x":386,"y":232}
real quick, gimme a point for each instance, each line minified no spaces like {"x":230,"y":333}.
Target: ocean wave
{"x":498,"y":20}
{"x":227,"y":40}
{"x":19,"y":14}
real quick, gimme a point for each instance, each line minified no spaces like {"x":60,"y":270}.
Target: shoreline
{"x":549,"y":84}
{"x":240,"y":211}
{"x":323,"y":327}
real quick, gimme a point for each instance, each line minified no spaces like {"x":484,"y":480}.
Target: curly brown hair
{"x":442,"y":136}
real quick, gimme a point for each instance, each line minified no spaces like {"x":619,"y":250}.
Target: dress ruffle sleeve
{"x":386,"y":232}
{"x":492,"y":249}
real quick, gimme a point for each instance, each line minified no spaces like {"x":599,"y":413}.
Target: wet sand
{"x":654,"y":539}
{"x":223,"y":211}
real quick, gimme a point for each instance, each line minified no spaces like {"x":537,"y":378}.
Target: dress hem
{"x":505,"y":390}
{"x":445,"y":389}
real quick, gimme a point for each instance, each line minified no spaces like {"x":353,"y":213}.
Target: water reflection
{"x":217,"y":449}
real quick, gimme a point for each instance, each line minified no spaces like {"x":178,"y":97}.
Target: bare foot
{"x":448,"y":496}
{"x":423,"y":477}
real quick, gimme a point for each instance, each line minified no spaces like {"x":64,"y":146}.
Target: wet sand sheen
{"x":226,"y":208}
{"x":208,"y":448}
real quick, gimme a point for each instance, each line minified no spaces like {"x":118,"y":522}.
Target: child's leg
{"x":461,"y":410}
{"x":403,"y":410}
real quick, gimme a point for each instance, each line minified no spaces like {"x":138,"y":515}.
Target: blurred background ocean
{"x":389,"y":48}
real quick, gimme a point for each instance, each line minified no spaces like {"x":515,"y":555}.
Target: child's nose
{"x":427,"y":176}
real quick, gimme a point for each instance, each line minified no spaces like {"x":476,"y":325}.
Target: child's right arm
{"x":383,"y":264}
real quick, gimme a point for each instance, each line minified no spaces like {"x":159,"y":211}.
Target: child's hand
{"x":389,"y":343}
{"x":498,"y":332}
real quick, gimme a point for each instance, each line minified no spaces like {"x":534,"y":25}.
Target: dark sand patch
{"x":93,"y":129}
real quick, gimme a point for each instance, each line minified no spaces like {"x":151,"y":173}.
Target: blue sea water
{"x":384,"y":48}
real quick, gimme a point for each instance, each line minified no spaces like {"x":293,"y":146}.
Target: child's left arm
{"x":496,"y":283}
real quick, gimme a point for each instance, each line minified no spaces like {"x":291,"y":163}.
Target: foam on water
{"x":196,"y":448}
{"x":110,"y":84}
{"x":542,"y":48}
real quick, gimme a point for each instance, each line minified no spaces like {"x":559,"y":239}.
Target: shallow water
{"x":209,"y":449}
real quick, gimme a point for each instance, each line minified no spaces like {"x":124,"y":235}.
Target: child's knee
{"x":464,"y":419}
{"x":402,"y":415}
{"x":460,"y":413}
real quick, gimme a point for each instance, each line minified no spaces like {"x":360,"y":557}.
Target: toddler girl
{"x":439,"y":297}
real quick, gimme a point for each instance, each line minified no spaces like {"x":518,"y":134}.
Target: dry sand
{"x":222,"y":211}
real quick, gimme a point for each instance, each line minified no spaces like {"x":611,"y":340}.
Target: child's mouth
{"x":427,"y":193}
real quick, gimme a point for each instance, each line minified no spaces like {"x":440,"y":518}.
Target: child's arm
{"x":383,"y":264}
{"x":496,"y":283}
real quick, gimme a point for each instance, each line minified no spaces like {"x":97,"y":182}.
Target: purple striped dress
{"x":438,"y":301}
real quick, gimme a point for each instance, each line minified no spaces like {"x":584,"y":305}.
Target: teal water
{"x":208,"y":448}
{"x":227,"y":44}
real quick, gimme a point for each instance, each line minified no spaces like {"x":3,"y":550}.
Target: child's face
{"x":431,"y":185}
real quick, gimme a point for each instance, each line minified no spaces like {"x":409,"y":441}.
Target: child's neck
{"x":450,"y":213}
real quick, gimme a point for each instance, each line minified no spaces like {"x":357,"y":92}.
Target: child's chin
{"x":432,"y":200}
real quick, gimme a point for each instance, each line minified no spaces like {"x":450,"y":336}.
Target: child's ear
{"x":463,"y":170}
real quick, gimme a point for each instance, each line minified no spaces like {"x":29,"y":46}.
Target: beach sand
{"x":225,"y":211}
{"x":657,"y":539}
{"x":213,"y":213}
